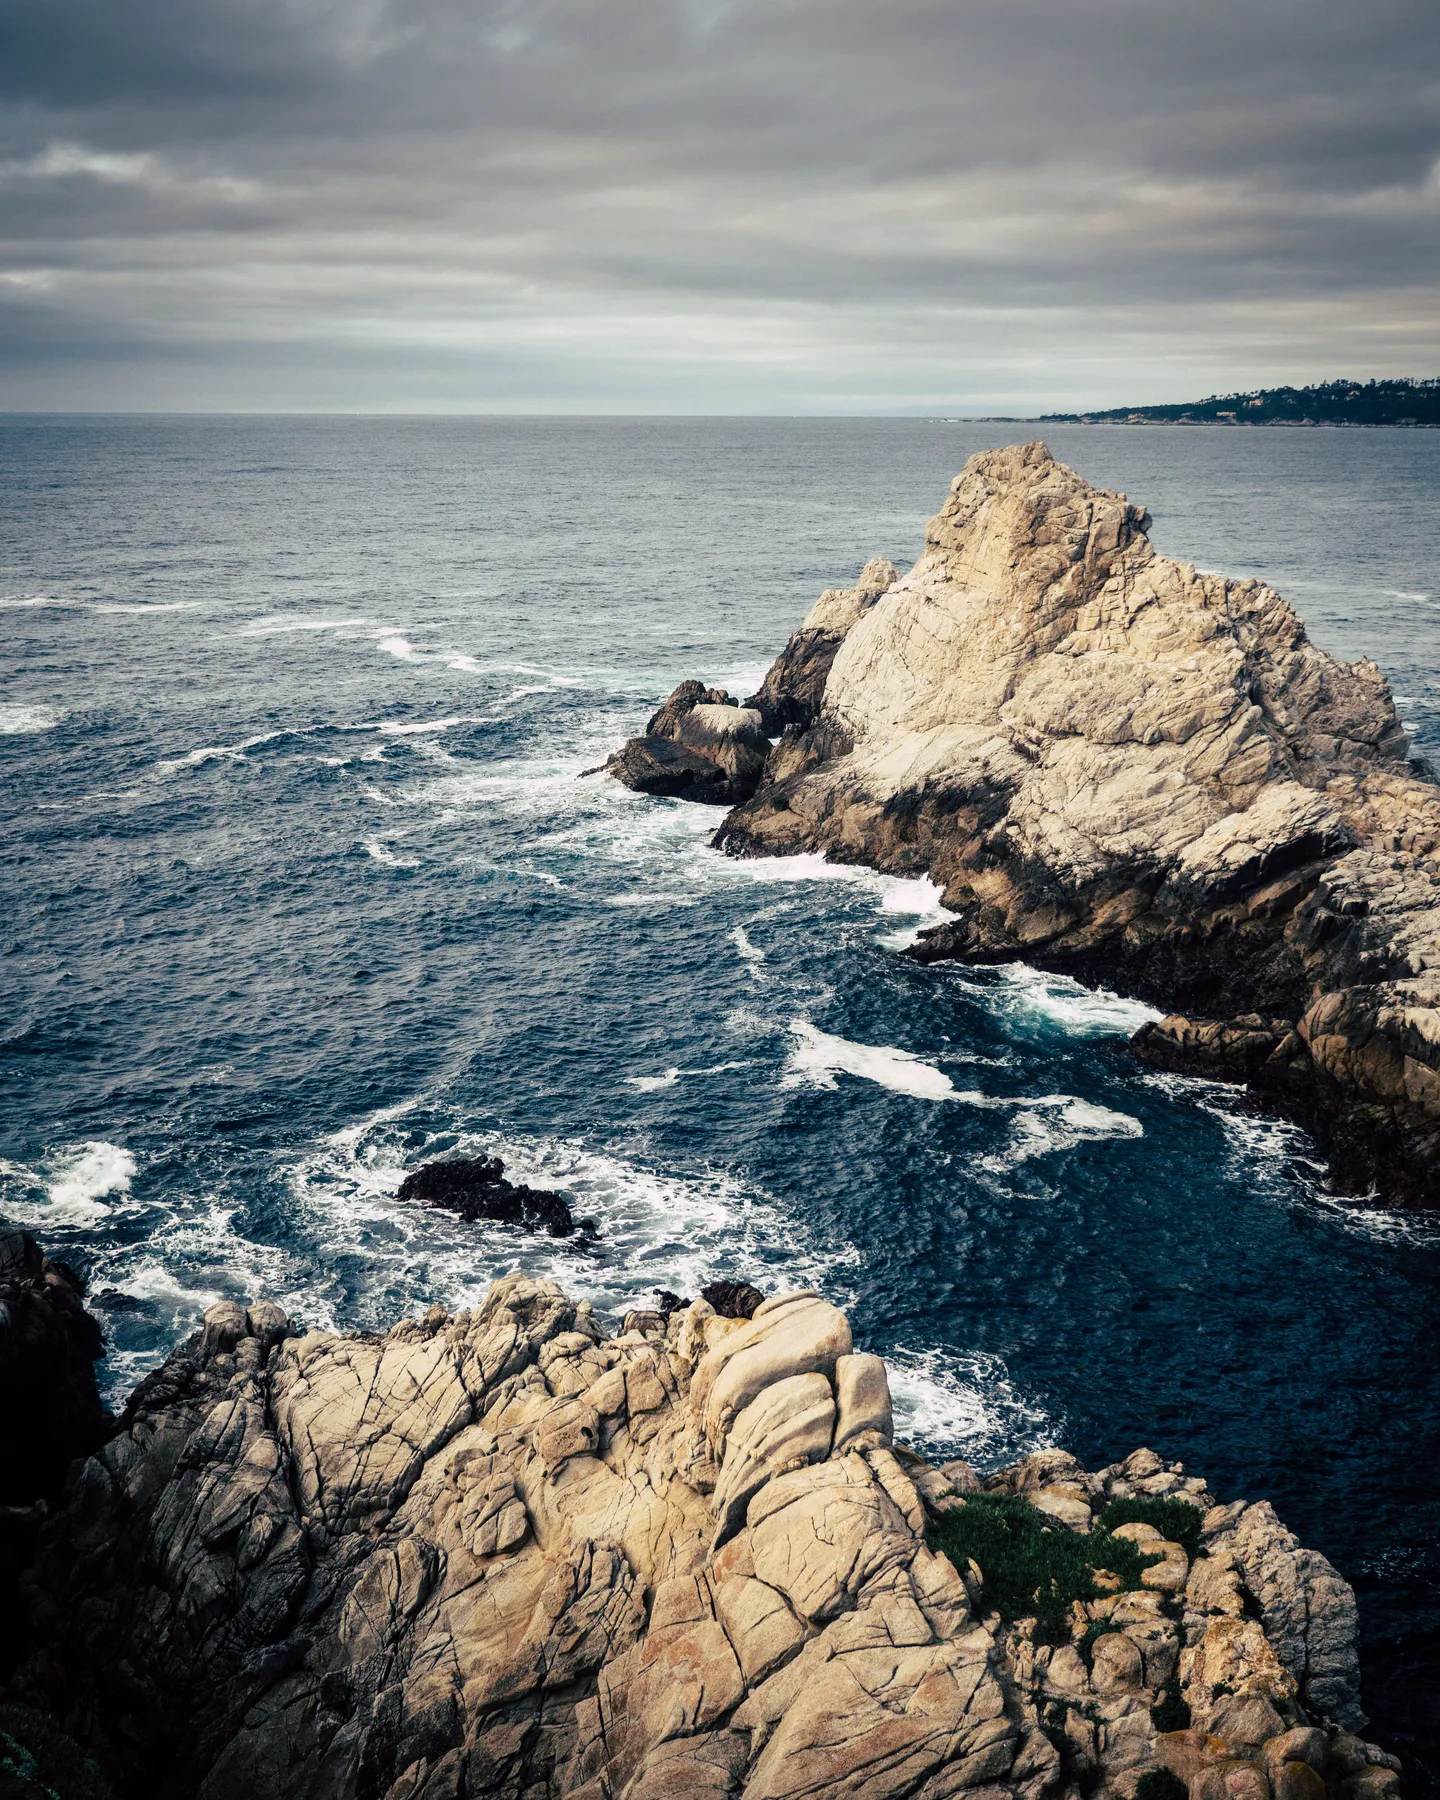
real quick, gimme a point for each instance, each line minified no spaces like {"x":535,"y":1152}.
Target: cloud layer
{"x":713,"y":205}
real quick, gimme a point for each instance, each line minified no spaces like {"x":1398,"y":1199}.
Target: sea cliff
{"x":1120,"y":768}
{"x":526,"y":1551}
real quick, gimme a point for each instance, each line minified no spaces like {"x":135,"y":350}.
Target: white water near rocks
{"x":309,"y":888}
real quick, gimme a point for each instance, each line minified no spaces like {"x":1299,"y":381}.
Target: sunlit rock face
{"x":526,"y":1552}
{"x":1130,"y":771}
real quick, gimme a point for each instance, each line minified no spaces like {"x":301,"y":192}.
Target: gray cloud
{"x":674,"y":204}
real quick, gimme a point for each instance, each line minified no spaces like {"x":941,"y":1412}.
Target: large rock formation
{"x":1122,"y":769}
{"x":509,"y":1553}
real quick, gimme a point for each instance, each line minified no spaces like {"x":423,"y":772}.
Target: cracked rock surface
{"x":1123,"y":769}
{"x":516,"y":1552}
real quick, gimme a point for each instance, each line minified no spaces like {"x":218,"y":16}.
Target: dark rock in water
{"x":659,"y":766}
{"x":476,"y":1188}
{"x":50,"y":1411}
{"x":732,"y":1299}
{"x":700,"y":746}
{"x":667,"y":1303}
{"x":111,"y":1299}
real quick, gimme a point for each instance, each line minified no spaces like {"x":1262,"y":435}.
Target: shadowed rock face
{"x":50,"y":1410}
{"x":505,"y":1554}
{"x":1125,"y":770}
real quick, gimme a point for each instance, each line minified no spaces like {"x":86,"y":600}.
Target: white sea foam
{"x":741,"y":940}
{"x":392,"y":728}
{"x":155,"y":606}
{"x":387,"y":857}
{"x":90,"y":1172}
{"x":70,"y":1187}
{"x":279,"y":627}
{"x":397,"y":644}
{"x":19,"y":720}
{"x":951,"y":1403}
{"x":649,"y":1084}
{"x":1027,"y":998}
{"x":818,"y":1057}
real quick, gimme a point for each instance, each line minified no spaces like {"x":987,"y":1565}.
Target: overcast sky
{"x":838,"y":206}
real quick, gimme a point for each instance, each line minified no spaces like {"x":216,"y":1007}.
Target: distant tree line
{"x":1404,"y":401}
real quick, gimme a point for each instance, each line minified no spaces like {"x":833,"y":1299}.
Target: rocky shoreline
{"x":527,"y":1551}
{"x":1124,"y":770}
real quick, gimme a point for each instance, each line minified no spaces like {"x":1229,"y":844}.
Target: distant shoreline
{"x":1204,"y":424}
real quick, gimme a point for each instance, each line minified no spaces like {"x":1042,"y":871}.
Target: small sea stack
{"x":475,"y":1188}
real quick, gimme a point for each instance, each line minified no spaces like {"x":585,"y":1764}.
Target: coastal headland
{"x":530,"y":1552}
{"x":1122,"y":769}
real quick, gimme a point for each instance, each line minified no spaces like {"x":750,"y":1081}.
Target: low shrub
{"x":1032,"y":1569}
{"x":1176,"y":1520}
{"x":34,"y":1752}
{"x":1170,"y":1712}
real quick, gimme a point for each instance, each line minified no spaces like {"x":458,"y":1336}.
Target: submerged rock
{"x":501,"y":1553}
{"x":476,"y":1188}
{"x":1122,"y":769}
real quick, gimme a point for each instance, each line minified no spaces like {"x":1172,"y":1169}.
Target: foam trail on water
{"x":741,"y":940}
{"x":818,"y":1057}
{"x":1027,"y":998}
{"x":279,"y":627}
{"x":17,"y":720}
{"x":653,"y":1083}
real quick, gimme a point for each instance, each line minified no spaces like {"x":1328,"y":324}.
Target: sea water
{"x":304,"y":885}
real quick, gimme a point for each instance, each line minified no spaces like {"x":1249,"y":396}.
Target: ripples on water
{"x":304,"y":888}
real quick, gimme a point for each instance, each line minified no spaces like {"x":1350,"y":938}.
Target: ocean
{"x":304,"y":885}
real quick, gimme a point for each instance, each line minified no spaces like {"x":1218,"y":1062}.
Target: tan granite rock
{"x":494,"y":1554}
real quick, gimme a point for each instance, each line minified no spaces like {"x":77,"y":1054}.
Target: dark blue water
{"x":302,"y":887}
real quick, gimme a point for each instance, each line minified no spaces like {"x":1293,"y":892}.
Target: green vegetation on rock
{"x":1176,"y":1520}
{"x":37,"y":1759}
{"x":1031,"y":1568}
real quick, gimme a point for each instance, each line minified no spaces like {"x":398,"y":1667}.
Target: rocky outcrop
{"x":794,"y":685}
{"x":701,"y":745}
{"x":50,"y":1409}
{"x":1122,"y":769}
{"x":475,"y":1188}
{"x":515,"y":1552}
